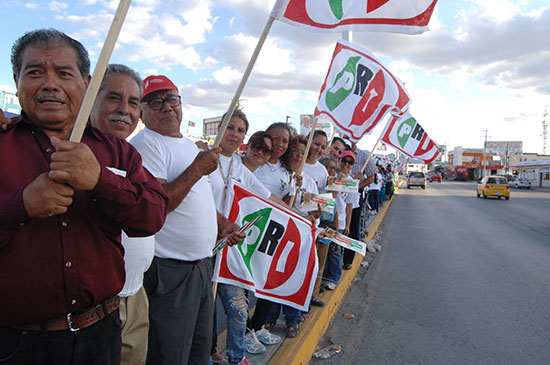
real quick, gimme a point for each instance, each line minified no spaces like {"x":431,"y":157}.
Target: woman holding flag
{"x":231,"y":167}
{"x":302,"y":187}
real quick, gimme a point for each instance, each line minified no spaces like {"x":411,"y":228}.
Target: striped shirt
{"x":360,"y":158}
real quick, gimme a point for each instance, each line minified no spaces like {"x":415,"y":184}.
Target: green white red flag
{"x":405,"y":134}
{"x":277,"y":259}
{"x":359,"y":91}
{"x":396,"y":16}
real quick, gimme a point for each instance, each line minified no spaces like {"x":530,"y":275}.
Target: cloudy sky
{"x":484,"y":65}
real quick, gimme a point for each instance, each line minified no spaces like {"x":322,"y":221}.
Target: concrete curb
{"x":299,"y":350}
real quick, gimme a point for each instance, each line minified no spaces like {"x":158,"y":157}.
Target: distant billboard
{"x":514,"y":148}
{"x":306,"y":123}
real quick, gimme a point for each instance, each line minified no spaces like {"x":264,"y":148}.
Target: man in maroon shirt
{"x":62,"y":208}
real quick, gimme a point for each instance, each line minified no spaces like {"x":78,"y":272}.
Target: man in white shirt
{"x":116,"y":110}
{"x":178,"y":284}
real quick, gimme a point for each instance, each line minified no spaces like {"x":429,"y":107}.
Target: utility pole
{"x":484,"y":162}
{"x":544,"y":131}
{"x":287,"y":118}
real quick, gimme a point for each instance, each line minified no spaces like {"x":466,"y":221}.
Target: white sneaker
{"x":266,"y":337}
{"x":252,"y":344}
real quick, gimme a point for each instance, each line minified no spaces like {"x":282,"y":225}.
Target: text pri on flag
{"x":359,"y":91}
{"x":277,"y":259}
{"x":396,"y":16}
{"x":405,"y":134}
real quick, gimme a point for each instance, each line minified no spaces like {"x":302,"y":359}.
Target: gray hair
{"x":115,"y":68}
{"x":47,"y":37}
{"x":326,"y":158}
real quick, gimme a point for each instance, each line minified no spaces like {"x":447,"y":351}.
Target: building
{"x":538,"y":172}
{"x":9,"y":102}
{"x":472,"y":161}
{"x":210,"y":126}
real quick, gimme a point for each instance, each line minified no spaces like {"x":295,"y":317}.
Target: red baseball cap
{"x":155,"y":83}
{"x":347,"y":154}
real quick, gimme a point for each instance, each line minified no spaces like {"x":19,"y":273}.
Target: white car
{"x":416,"y":178}
{"x":521,"y":183}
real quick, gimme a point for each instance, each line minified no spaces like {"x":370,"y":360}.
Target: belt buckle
{"x":70,"y":324}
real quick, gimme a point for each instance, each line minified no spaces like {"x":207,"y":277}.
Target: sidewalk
{"x":299,"y":350}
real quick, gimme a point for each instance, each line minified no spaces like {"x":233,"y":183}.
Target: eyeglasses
{"x":348,"y":161}
{"x":157,"y":104}
{"x":331,"y":168}
{"x":262,"y":147}
{"x":297,"y":152}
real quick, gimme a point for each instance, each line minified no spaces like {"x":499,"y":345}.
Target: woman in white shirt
{"x":312,"y":167}
{"x":297,"y":149}
{"x":374,"y":192}
{"x":230,"y":167}
{"x":275,"y":174}
{"x":259,"y":150}
{"x":344,"y":206}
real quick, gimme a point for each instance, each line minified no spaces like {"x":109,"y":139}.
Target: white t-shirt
{"x":376,"y":185}
{"x":342,"y":199}
{"x":240,"y":173}
{"x":190,"y":230}
{"x":138,"y":254}
{"x":319,"y":173}
{"x":274,"y":177}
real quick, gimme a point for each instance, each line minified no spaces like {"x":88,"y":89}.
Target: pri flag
{"x":396,"y":16}
{"x":405,"y":134}
{"x":277,"y":259}
{"x":359,"y":91}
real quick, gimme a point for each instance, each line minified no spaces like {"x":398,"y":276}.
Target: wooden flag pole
{"x":99,"y":71}
{"x":244,"y":79}
{"x":299,"y":172}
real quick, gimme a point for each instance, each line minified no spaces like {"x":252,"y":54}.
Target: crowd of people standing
{"x":106,"y":246}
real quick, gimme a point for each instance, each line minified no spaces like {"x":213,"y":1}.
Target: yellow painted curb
{"x":299,"y":350}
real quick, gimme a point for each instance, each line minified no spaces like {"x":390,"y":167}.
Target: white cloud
{"x":499,"y":10}
{"x":8,"y":88}
{"x":227,"y":75}
{"x":57,"y":6}
{"x":31,"y":5}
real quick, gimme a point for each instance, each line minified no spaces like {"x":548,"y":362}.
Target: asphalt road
{"x":460,"y":280}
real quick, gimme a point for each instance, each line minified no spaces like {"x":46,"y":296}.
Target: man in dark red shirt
{"x":62,"y":208}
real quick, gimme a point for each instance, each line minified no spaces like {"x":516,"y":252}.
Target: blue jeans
{"x":374,"y":200}
{"x":293,"y":316}
{"x":235,"y":305}
{"x":333,"y":266}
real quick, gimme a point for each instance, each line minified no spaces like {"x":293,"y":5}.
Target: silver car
{"x":520,"y":183}
{"x":416,"y":178}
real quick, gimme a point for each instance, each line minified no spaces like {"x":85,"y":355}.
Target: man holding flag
{"x":62,"y":208}
{"x":178,"y":282}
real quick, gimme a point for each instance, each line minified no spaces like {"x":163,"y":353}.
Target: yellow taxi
{"x":493,"y":186}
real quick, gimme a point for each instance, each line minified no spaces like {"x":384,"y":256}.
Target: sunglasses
{"x":262,"y":147}
{"x":348,"y":161}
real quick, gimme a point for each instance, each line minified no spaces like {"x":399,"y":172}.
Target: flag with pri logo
{"x":359,"y":91}
{"x":405,"y":134}
{"x":277,"y":259}
{"x":396,"y":16}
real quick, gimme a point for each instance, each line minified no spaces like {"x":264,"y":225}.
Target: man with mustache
{"x":116,"y":110}
{"x":63,"y":206}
